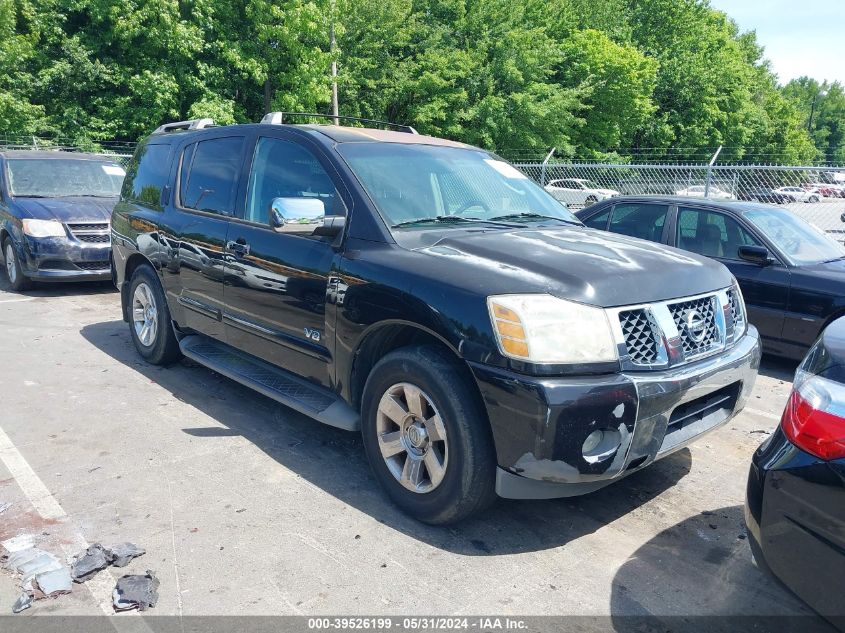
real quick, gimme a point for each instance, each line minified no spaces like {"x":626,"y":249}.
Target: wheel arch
{"x":133,"y":262}
{"x":382,"y":338}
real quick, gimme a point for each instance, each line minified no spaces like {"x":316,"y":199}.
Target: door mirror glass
{"x":755,"y":254}
{"x":297,"y":215}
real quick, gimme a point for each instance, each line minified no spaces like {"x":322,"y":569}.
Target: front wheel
{"x":17,"y":280}
{"x":590,"y":200}
{"x":813,"y":199}
{"x":426,"y":436}
{"x":149,"y":319}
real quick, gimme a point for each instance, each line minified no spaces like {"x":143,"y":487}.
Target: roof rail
{"x":277,"y":118}
{"x":193,"y":124}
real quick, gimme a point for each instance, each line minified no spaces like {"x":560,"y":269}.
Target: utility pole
{"x":332,"y":47}
{"x":821,"y":92}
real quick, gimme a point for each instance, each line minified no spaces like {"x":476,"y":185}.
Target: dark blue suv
{"x":55,"y":213}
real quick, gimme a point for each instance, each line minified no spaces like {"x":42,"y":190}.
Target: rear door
{"x":205,"y":199}
{"x":277,"y":278}
{"x":719,"y":235}
{"x":645,"y":220}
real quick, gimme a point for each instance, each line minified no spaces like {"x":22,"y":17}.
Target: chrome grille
{"x":689,"y":314}
{"x":639,"y":336}
{"x":87,"y":226}
{"x":736,"y":311}
{"x":94,"y":239}
{"x":90,"y":232}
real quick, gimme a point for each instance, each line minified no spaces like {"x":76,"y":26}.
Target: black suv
{"x":55,"y":209}
{"x":429,"y":295}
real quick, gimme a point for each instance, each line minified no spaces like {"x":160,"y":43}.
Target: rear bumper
{"x":795,"y":514}
{"x":540,"y":424}
{"x":64,"y":259}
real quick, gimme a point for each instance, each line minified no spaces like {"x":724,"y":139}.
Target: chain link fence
{"x":816,"y":194}
{"x":118,"y":151}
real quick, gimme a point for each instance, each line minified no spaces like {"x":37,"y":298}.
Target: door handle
{"x":240,"y":248}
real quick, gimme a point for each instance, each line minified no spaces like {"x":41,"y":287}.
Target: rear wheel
{"x":149,"y":319}
{"x":426,"y":436}
{"x":813,"y":199}
{"x":17,"y":280}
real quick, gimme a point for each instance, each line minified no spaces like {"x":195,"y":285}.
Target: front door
{"x":205,"y":200}
{"x":277,"y":276}
{"x":765,"y":288}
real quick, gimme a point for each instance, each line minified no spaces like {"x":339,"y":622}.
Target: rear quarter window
{"x":147,"y":175}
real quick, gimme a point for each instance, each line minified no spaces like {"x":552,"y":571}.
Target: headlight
{"x":43,"y":228}
{"x":539,"y":328}
{"x":739,"y":300}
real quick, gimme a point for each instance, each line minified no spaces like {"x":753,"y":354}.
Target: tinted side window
{"x":209,"y":175}
{"x":147,"y":175}
{"x":282,"y":169}
{"x":639,"y":220}
{"x":599,"y":221}
{"x":712,"y":233}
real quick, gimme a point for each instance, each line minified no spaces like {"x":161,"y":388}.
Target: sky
{"x":801,"y":37}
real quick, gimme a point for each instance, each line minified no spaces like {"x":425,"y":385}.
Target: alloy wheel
{"x":412,"y":438}
{"x":144,"y":315}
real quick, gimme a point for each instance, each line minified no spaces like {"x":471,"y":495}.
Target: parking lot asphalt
{"x":246,"y":507}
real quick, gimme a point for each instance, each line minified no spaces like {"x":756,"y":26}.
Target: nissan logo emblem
{"x":696,"y":326}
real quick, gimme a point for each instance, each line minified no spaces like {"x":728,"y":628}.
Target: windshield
{"x":801,"y":242}
{"x":59,"y":177}
{"x":428,"y":185}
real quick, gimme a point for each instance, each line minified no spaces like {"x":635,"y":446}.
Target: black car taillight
{"x":814,"y":418}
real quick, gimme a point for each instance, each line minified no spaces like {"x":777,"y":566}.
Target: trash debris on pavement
{"x":89,"y":562}
{"x":23,"y":602}
{"x":54,"y":583}
{"x":136,"y":592}
{"x":19,"y":542}
{"x":31,"y":562}
{"x":5,"y":505}
{"x":125,"y":552}
{"x":97,"y":557}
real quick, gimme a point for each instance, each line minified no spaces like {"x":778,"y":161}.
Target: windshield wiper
{"x":530,"y":215}
{"x":447,"y":219}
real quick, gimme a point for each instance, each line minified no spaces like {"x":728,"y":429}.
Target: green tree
{"x":822,"y":110}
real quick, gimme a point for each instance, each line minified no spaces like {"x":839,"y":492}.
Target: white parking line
{"x":46,"y":505}
{"x":763,"y":414}
{"x":18,"y":300}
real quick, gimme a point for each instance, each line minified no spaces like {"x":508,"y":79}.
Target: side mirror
{"x":297,"y":215}
{"x":755,"y":254}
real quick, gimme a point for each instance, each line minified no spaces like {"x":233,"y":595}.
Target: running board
{"x":274,"y":382}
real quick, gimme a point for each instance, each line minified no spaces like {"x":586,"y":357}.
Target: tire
{"x":590,"y":200}
{"x":813,"y":199}
{"x":14,"y":273}
{"x":151,"y":329}
{"x":465,"y":484}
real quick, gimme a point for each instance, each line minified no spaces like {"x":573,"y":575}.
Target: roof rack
{"x":277,"y":118}
{"x":193,"y":124}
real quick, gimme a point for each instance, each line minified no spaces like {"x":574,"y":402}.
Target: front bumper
{"x":795,"y":514}
{"x":65,"y":259}
{"x":540,"y":424}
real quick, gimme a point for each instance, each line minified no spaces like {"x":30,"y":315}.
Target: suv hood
{"x":76,"y":209}
{"x":580,"y":264}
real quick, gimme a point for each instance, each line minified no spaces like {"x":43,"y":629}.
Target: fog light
{"x":600,"y":445}
{"x":593,"y":440}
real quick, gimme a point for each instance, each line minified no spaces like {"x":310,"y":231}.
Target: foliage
{"x":585,"y":76}
{"x":825,"y":103}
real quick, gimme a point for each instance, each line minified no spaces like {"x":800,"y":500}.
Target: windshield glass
{"x":801,"y":242}
{"x":433,"y":185}
{"x":59,"y":177}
